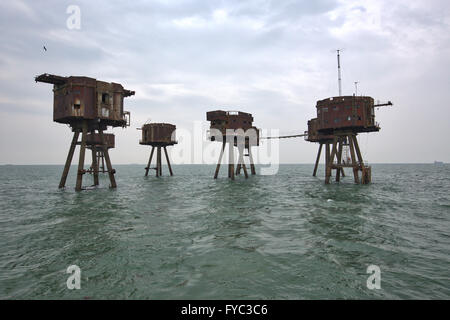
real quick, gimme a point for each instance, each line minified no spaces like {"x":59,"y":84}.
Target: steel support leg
{"x":103,"y":161}
{"x":231,"y":161}
{"x":168,"y":161}
{"x":252,"y":165}
{"x":364,"y":179}
{"x":95,"y":166}
{"x":338,"y":156}
{"x":327,"y":163}
{"x":73,"y":145}
{"x":354,"y":164}
{"x":238,"y":168}
{"x":81,"y":171}
{"x":317,"y":160}
{"x":111,"y":171}
{"x":241,"y":162}
{"x":158,"y":161}
{"x":220,"y":160}
{"x":149,"y":162}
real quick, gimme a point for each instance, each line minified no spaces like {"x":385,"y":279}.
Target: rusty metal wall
{"x":84,"y":98}
{"x":349,"y":112}
{"x":94,"y":139}
{"x":313,"y":134}
{"x":223,"y":120}
{"x":158,"y":133}
{"x":254,"y":142}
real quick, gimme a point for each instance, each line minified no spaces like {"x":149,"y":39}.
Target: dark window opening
{"x":105,"y":98}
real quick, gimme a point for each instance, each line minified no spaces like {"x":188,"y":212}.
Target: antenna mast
{"x":339,"y":71}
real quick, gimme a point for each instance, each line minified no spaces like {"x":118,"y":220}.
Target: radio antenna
{"x":339,"y":71}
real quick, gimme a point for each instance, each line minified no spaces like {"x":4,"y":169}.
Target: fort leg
{"x":73,"y":145}
{"x":327,"y":156}
{"x":97,"y":156}
{"x":364,"y":176}
{"x":238,"y":168}
{"x":330,"y":160}
{"x":97,"y":160}
{"x":94,"y":166}
{"x":327,"y":162}
{"x":158,"y":161}
{"x":220,"y":160}
{"x":111,"y":171}
{"x":341,"y":148}
{"x":245,"y":170}
{"x":358,"y":152}
{"x":252,"y":165}
{"x":149,"y":162}
{"x":243,"y":165}
{"x":231,"y":161}
{"x":338,"y":156}
{"x":354,"y":164}
{"x":168,"y":161}
{"x":241,"y":162}
{"x":94,"y":162}
{"x":344,"y":142}
{"x":80,"y":171}
{"x":103,"y":161}
{"x":317,"y":160}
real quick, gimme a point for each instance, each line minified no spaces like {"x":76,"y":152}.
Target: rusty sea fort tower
{"x":89,"y":107}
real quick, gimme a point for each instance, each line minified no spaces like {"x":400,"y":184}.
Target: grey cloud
{"x":273,"y":58}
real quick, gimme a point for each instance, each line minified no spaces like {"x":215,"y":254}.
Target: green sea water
{"x":285,"y":236}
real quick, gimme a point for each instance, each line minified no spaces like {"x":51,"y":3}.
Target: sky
{"x":274,"y":59}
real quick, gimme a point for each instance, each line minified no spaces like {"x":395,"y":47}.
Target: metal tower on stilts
{"x":234,"y":128}
{"x":88,"y":106}
{"x":338,"y":122}
{"x":158,"y":135}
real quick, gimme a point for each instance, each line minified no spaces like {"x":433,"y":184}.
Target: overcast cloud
{"x":274,"y":59}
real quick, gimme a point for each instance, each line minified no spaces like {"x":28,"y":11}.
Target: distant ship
{"x":438,"y":162}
